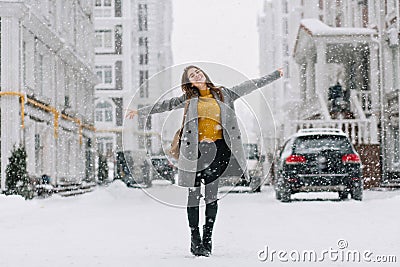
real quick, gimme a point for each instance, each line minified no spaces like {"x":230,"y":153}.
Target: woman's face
{"x":196,"y":77}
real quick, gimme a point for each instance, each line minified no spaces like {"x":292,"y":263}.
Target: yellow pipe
{"x":22,"y":100}
{"x":51,"y":109}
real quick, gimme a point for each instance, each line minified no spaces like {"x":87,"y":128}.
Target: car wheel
{"x":278,"y":195}
{"x":357,"y":194}
{"x":257,"y":189}
{"x":285,"y":196}
{"x":343,"y":195}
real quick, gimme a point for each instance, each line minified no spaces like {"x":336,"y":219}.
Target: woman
{"x":210,"y":144}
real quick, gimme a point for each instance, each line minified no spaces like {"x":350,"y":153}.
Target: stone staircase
{"x":67,"y":189}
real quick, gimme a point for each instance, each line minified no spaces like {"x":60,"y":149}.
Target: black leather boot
{"x":207,"y":234}
{"x":211,"y":214}
{"x":197,"y":248}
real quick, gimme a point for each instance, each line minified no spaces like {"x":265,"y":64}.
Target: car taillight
{"x":295,"y":159}
{"x":351,"y":158}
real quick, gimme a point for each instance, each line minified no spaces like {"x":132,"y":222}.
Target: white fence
{"x":359,"y":131}
{"x":365,"y":99}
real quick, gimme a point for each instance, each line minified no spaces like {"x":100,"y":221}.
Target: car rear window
{"x":313,"y":143}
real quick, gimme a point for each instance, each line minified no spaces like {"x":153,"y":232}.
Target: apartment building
{"x":132,"y":44}
{"x":47,"y":87}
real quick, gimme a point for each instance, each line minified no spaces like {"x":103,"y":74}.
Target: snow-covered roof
{"x":316,"y":27}
{"x":320,"y":131}
{"x":312,"y":29}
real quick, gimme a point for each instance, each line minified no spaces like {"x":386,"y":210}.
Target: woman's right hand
{"x":280,"y":71}
{"x":131,"y":113}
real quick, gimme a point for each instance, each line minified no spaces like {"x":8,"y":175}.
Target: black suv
{"x":316,"y":160}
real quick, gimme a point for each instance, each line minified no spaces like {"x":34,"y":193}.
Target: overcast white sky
{"x":220,"y":31}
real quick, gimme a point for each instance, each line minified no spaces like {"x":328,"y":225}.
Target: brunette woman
{"x":211,"y":145}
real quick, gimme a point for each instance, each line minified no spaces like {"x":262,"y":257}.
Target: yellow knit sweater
{"x":209,"y":115}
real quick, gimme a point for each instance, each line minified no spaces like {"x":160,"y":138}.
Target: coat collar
{"x":215,"y":95}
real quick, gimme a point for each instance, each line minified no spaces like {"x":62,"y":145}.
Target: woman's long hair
{"x":191,"y":90}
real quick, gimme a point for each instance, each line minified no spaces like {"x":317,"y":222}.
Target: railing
{"x":365,"y":100}
{"x":359,"y":131}
{"x":57,"y":114}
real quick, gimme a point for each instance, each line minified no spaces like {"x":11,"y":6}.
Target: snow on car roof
{"x":320,"y":131}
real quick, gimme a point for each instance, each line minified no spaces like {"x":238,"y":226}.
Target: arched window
{"x":104,"y":112}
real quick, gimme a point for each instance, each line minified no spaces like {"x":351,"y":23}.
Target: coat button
{"x":190,"y":131}
{"x":238,"y":137}
{"x":233,"y":127}
{"x":188,"y":143}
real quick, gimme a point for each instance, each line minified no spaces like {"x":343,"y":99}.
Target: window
{"x":143,"y":59}
{"x":40,"y":74}
{"x":52,"y":13}
{"x":148,"y":142}
{"x":315,"y":143}
{"x":104,"y":39}
{"x":38,"y":153}
{"x":143,"y":45}
{"x":144,"y":141}
{"x":285,"y":7}
{"x":338,"y":18}
{"x":67,"y":103}
{"x":103,"y":8}
{"x":144,"y":85}
{"x":142,"y":120}
{"x":396,"y":144}
{"x":105,"y":74}
{"x":105,"y":3}
{"x":24,"y":62}
{"x":142,"y":17}
{"x":141,"y":141}
{"x":143,"y":50}
{"x":105,"y":146}
{"x":104,"y":112}
{"x":364,"y":13}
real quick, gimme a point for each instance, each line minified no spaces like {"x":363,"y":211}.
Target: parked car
{"x":316,"y":160}
{"x":254,"y":163}
{"x":163,"y":169}
{"x":133,"y":174}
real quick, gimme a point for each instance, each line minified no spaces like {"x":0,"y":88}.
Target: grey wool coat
{"x":187,"y":163}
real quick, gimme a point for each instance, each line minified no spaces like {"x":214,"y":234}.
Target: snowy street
{"x":120,"y":226}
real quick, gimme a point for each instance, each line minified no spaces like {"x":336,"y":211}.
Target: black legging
{"x":218,"y":154}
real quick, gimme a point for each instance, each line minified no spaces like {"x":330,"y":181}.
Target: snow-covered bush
{"x":17,"y":179}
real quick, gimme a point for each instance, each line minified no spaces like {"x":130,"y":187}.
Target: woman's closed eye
{"x":194,"y":73}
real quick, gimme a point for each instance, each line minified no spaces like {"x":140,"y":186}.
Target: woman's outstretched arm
{"x":159,"y":107}
{"x":249,"y":86}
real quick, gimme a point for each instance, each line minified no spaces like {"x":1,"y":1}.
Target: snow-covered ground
{"x":120,"y":226}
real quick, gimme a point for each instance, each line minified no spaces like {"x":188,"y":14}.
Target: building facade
{"x":352,"y":44}
{"x":132,"y":44}
{"x":47,"y":87}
